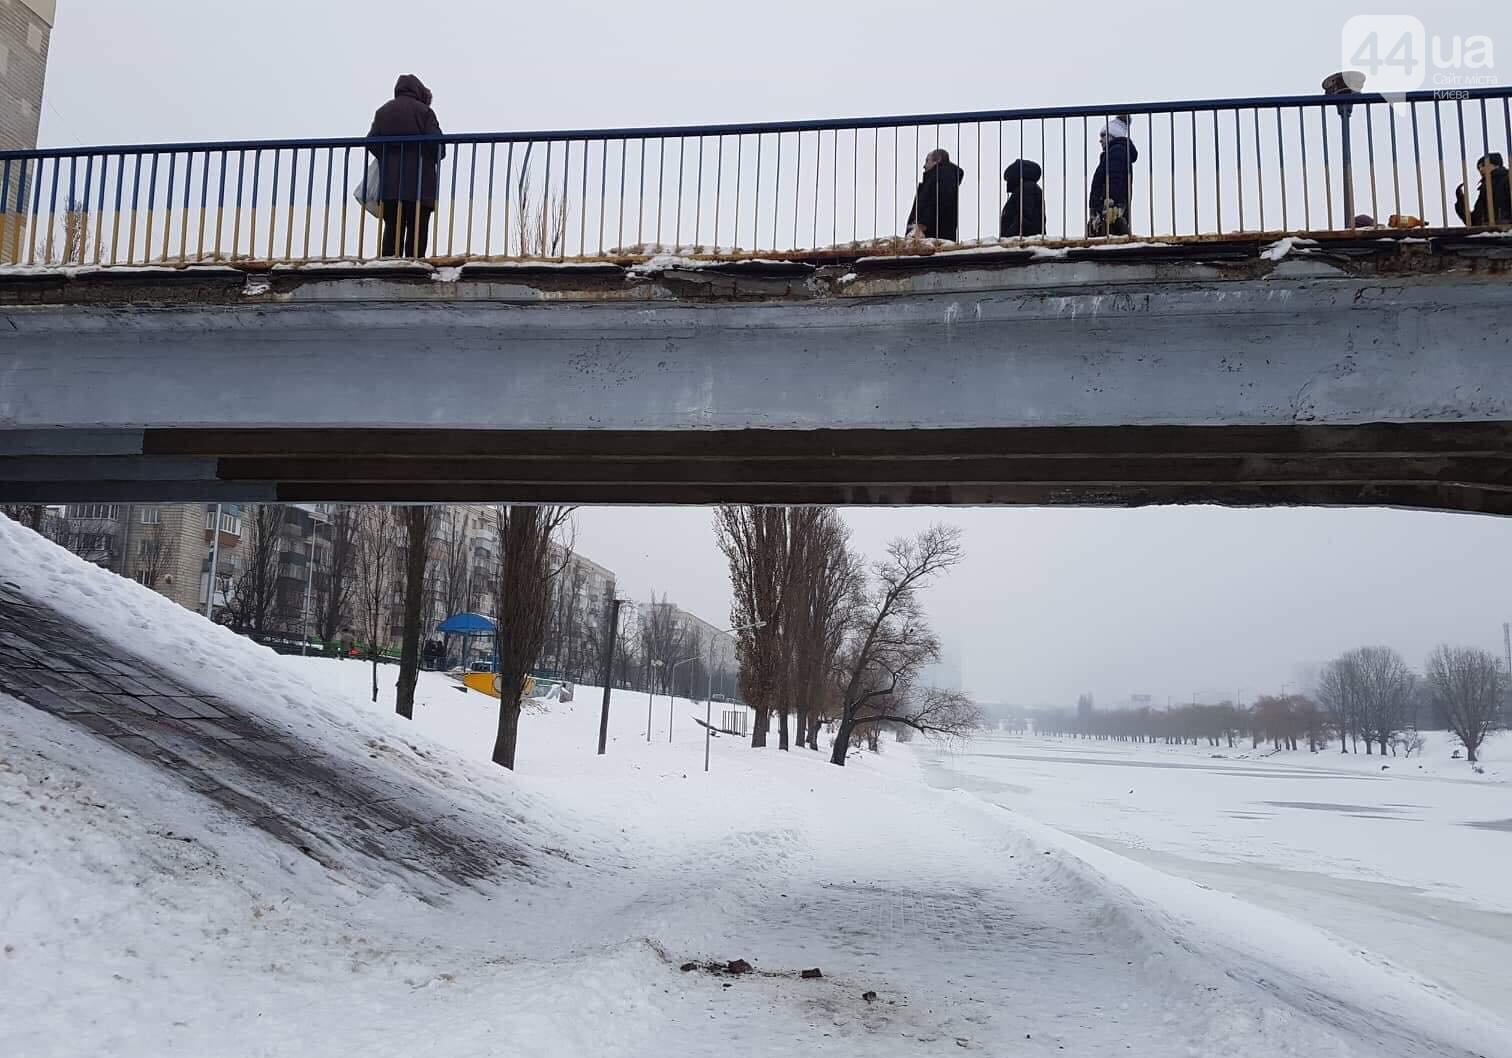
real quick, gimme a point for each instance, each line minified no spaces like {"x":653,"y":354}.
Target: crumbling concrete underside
{"x":1358,"y":372}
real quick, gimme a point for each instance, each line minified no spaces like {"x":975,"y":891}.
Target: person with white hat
{"x":1113,"y":182}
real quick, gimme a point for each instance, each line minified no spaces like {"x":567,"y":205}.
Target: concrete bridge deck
{"x":1353,"y":371}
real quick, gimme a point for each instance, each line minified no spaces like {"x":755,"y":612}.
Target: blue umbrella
{"x":467,"y":624}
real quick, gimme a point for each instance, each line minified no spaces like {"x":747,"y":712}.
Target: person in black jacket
{"x":1024,"y":211}
{"x":1498,"y":208}
{"x":409,"y":171}
{"x":936,"y":207}
{"x":1113,"y":182}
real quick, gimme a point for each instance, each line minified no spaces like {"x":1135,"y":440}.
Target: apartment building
{"x":25,"y":34}
{"x":160,"y":545}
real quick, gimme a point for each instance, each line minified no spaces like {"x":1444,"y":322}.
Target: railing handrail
{"x":765,"y":127}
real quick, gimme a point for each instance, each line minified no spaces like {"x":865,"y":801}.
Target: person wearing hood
{"x":408,"y":171}
{"x":1024,"y":211}
{"x":936,"y":207}
{"x":1113,"y":182}
{"x":1495,"y":209}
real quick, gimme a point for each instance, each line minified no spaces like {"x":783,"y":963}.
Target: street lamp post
{"x":709,"y":699}
{"x":651,"y":695}
{"x":672,"y":690}
{"x":614,"y":610}
{"x":214,"y":562}
{"x":304,"y":630}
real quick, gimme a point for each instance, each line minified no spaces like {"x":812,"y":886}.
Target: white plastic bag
{"x":367,"y":190}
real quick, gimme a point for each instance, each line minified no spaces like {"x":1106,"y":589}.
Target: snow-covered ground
{"x":139,"y":919}
{"x":1406,"y":858}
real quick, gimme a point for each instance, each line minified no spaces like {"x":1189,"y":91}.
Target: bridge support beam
{"x":1105,"y":380}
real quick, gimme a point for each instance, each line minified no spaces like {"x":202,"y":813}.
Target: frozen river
{"x":1413,"y":864}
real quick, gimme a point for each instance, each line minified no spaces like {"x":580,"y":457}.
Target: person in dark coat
{"x":1024,"y":211}
{"x":936,"y":207}
{"x":1497,"y":209}
{"x":409,"y":171}
{"x":1113,"y":183}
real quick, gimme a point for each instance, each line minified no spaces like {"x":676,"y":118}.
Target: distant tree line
{"x":1365,"y":697}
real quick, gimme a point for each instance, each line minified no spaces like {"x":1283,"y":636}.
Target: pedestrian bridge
{"x":660,"y":316}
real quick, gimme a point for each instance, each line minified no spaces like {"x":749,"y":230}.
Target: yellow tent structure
{"x":488,"y":683}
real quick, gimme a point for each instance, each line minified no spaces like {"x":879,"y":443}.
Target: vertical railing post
{"x":1346,"y":83}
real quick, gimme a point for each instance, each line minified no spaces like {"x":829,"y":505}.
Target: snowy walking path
{"x":143,"y":918}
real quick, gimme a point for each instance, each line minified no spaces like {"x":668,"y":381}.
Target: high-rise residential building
{"x":592,"y":583}
{"x":676,"y":637}
{"x":25,"y":32}
{"x":160,"y":545}
{"x":225,"y":553}
{"x":710,"y":639}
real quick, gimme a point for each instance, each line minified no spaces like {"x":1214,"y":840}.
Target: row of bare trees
{"x":387,"y":565}
{"x":396,"y":553}
{"x":1367,"y":696}
{"x":823,"y":638}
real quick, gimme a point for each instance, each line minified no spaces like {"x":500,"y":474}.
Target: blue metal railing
{"x":1203,"y":169}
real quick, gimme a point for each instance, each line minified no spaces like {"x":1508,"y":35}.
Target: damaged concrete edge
{"x":827,"y":274}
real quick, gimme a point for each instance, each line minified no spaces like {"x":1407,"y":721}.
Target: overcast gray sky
{"x":1167,"y":602}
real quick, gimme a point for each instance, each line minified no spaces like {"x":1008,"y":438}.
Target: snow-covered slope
{"x":139,"y":919}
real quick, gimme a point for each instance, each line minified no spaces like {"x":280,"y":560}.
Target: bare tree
{"x":377,"y":549}
{"x":665,"y":642}
{"x":1467,"y":685}
{"x":690,"y":677}
{"x":74,"y":244}
{"x":627,"y":656}
{"x":1385,"y":695}
{"x":254,"y":596}
{"x":528,"y":542}
{"x":540,"y":226}
{"x":822,"y":587}
{"x":456,"y":573}
{"x":335,"y":589}
{"x":931,"y":710}
{"x":416,"y":520}
{"x":596,"y":638}
{"x":31,"y":515}
{"x":571,"y":621}
{"x":1339,"y":692}
{"x":926,"y":709}
{"x":755,"y":542}
{"x":891,"y":641}
{"x":156,"y":555}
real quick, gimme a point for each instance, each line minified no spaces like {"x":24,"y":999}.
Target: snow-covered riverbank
{"x":140,"y":919}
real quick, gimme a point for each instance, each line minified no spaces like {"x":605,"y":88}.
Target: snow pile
{"x":141,"y":921}
{"x":1281,"y":248}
